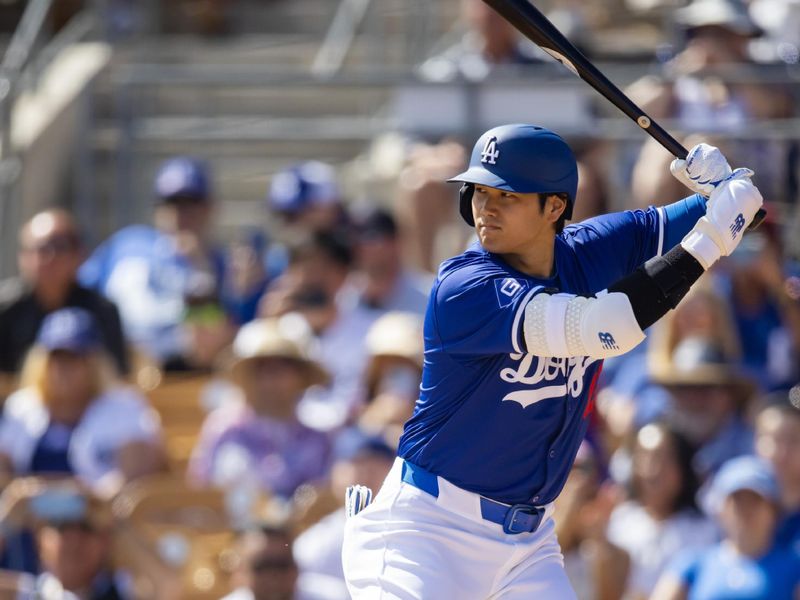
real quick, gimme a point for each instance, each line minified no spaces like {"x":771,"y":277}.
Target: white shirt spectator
{"x":318,"y":554}
{"x":342,"y":351}
{"x":651,"y":544}
{"x":118,"y":417}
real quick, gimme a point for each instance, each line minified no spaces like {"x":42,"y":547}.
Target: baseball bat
{"x":529,"y":21}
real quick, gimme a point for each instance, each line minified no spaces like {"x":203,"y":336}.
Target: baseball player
{"x":516,"y":331}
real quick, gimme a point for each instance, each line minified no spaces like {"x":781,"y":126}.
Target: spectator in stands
{"x":248,"y":274}
{"x":259,"y":440}
{"x":746,"y":563}
{"x":308,"y":198}
{"x":359,"y":459}
{"x":596,"y":567}
{"x":312,"y":285}
{"x":395,"y":346}
{"x":489,"y":41}
{"x":75,"y":542}
{"x":765,"y":309}
{"x":424,"y":206}
{"x":207,"y":329}
{"x":778,"y":441}
{"x":266,"y":569}
{"x":631,"y":399}
{"x":781,"y":21}
{"x":709,"y":402}
{"x":50,"y":252}
{"x":696,"y":93}
{"x":381,"y":280}
{"x":71,"y":416}
{"x":150,"y":271}
{"x":703,"y":313}
{"x":661,"y":517}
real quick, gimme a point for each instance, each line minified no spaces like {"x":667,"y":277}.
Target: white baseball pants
{"x":409,"y":545}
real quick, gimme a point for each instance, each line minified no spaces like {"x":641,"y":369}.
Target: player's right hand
{"x":731,"y":208}
{"x":704,"y":169}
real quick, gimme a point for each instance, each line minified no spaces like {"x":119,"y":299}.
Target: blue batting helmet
{"x":520,"y":158}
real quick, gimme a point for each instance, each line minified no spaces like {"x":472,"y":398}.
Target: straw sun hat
{"x":287,"y":337}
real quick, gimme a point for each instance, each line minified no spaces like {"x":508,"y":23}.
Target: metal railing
{"x":26,"y":57}
{"x":339,"y":39}
{"x":17,"y":57}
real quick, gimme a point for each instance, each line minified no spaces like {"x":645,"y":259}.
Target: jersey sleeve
{"x":93,"y":273}
{"x":612,"y":246}
{"x":478,"y":311}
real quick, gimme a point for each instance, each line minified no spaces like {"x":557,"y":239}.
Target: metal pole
{"x":336,"y":45}
{"x":26,"y":34}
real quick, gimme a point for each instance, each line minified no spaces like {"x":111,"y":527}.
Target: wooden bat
{"x":529,"y":21}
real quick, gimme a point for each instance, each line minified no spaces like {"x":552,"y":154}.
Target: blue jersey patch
{"x":492,"y":418}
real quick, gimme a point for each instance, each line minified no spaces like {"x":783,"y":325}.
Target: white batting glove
{"x":731,"y":208}
{"x":704,"y":169}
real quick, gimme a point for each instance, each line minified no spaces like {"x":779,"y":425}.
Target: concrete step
{"x":288,"y":101}
{"x":284,"y":49}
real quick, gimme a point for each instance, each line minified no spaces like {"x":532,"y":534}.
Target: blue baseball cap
{"x":354,"y":442}
{"x":72,"y":329}
{"x":743,"y":473}
{"x":522,"y":158}
{"x":303,"y":185}
{"x":183,"y":177}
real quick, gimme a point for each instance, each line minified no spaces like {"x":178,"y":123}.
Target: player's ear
{"x":554,"y":207}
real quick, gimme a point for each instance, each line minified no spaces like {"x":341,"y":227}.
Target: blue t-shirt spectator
{"x":722,"y":573}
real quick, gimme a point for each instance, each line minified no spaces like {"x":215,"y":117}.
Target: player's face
{"x":507,"y":222}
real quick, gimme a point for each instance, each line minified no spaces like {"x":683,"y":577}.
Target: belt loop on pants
{"x":517,"y":518}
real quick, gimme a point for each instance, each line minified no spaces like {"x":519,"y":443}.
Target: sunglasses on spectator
{"x":55,"y":246}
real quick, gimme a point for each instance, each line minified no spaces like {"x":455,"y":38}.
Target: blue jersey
{"x":141,"y":270}
{"x":720,"y":573}
{"x":491,"y":418}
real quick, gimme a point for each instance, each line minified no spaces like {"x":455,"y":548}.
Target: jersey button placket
{"x":552,"y":453}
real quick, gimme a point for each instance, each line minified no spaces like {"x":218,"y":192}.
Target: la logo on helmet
{"x":490,"y":152}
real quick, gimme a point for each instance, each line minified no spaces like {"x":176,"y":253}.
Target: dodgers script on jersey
{"x":491,"y":418}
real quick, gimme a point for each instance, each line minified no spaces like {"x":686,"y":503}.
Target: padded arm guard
{"x":564,"y":325}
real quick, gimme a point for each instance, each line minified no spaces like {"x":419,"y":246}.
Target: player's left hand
{"x":704,"y":169}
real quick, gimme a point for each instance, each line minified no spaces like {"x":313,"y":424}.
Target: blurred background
{"x":219,"y":223}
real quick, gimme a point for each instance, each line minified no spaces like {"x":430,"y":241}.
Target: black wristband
{"x":659,"y":284}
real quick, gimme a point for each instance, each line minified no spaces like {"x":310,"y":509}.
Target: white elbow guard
{"x":564,"y":325}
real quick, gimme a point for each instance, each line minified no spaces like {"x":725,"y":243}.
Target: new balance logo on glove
{"x":737,"y":225}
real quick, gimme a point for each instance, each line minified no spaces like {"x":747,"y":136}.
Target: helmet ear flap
{"x":465,"y":203}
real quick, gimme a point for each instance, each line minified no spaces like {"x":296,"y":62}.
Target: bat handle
{"x":677,"y":150}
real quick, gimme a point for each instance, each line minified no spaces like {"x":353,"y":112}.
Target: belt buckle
{"x":522,"y":518}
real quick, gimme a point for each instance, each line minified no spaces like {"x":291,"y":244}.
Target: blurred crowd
{"x":182,"y":415}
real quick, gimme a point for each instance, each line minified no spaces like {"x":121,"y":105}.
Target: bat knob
{"x":760,"y":215}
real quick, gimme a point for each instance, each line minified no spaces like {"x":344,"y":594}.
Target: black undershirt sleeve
{"x":659,"y":284}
